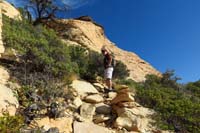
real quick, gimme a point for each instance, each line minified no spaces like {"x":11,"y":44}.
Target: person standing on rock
{"x":108,"y":67}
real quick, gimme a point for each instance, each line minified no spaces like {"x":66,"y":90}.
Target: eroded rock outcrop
{"x":8,"y":99}
{"x":9,"y":10}
{"x":87,"y":33}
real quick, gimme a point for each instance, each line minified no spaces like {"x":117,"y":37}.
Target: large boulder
{"x":129,"y":123}
{"x":77,"y":102}
{"x":136,"y":119}
{"x":83,"y":88}
{"x":8,"y":101}
{"x":96,"y":98}
{"x":102,"y":108}
{"x":4,"y":75}
{"x":87,"y":111}
{"x":89,"y":128}
{"x":64,"y":124}
{"x":101,"y":118}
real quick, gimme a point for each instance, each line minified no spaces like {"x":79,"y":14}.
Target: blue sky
{"x":166,"y":33}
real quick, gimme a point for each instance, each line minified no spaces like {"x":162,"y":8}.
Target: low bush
{"x":11,"y":124}
{"x":176,"y":107}
{"x":41,"y":49}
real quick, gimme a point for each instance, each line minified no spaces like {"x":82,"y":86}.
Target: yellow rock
{"x":63,"y":124}
{"x":123,"y":97}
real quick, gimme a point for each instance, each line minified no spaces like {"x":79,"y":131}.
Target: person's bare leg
{"x":109,"y":83}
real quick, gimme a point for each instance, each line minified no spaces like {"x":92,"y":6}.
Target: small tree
{"x":46,"y":9}
{"x":169,"y":80}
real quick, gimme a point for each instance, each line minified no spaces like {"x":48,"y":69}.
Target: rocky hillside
{"x":86,"y":107}
{"x":7,"y":100}
{"x":85,"y":32}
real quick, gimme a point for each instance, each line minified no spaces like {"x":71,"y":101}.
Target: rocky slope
{"x":88,"y":108}
{"x":8,"y":100}
{"x":85,"y":32}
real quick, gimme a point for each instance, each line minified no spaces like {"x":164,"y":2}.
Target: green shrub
{"x":175,"y":104}
{"x":176,"y":110}
{"x":40,"y":47}
{"x":193,"y":88}
{"x":90,"y":63}
{"x":11,"y":124}
{"x":120,"y":71}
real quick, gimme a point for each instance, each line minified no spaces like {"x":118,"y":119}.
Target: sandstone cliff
{"x":85,"y":32}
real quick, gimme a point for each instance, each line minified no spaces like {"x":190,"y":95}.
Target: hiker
{"x":108,"y":67}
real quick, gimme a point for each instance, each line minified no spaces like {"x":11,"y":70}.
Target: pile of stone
{"x":87,"y":108}
{"x":92,"y":110}
{"x":130,"y":115}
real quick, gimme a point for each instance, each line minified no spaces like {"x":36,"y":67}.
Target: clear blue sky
{"x":165,"y":33}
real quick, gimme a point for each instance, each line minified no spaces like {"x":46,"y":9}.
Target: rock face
{"x":8,"y":101}
{"x":4,"y":75}
{"x":63,"y":124}
{"x":94,"y":98}
{"x":9,"y":10}
{"x":87,"y":111}
{"x":83,"y":88}
{"x":89,"y":128}
{"x":88,"y":34}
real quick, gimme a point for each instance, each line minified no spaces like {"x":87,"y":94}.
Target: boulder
{"x":89,"y":128}
{"x":83,"y":88}
{"x":4,"y":75}
{"x":64,"y":124}
{"x":101,"y":118}
{"x":102,"y":108}
{"x":129,"y":124}
{"x":10,"y":54}
{"x":96,"y":98}
{"x":8,"y":101}
{"x":136,"y":119}
{"x":87,"y":111}
{"x":99,"y":85}
{"x":2,"y":49}
{"x":139,"y":111}
{"x":142,"y":111}
{"x":111,"y":95}
{"x":77,"y":102}
{"x":127,"y":104}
